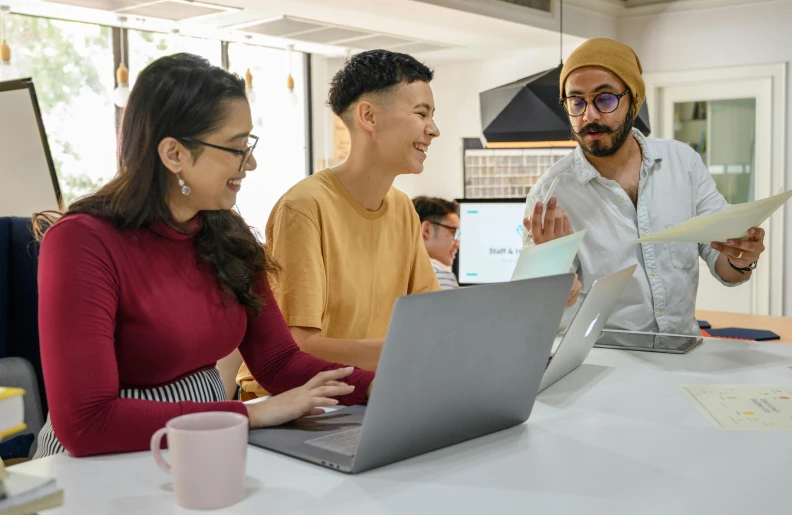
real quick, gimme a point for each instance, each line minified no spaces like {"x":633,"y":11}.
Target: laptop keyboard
{"x":343,"y":442}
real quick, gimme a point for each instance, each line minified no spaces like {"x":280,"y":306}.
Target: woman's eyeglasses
{"x":244,"y":153}
{"x":603,"y":102}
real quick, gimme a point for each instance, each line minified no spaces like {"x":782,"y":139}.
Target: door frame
{"x":776,"y":74}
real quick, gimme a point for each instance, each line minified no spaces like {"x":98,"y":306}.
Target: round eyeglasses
{"x":252,"y":142}
{"x":604,"y":103}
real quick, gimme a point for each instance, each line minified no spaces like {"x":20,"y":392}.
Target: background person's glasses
{"x":456,"y":231}
{"x":603,"y":102}
{"x":252,"y":142}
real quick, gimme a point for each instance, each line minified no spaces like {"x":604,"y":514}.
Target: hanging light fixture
{"x":527,"y":111}
{"x":251,"y":95}
{"x":121,"y":91}
{"x":290,"y":79}
{"x":7,"y":70}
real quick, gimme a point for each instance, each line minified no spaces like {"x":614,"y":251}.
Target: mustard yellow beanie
{"x":615,"y":57}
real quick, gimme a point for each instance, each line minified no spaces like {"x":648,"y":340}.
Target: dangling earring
{"x":184,"y":188}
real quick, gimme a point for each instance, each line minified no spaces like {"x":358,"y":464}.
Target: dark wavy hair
{"x":374,"y":71}
{"x":434,"y":209}
{"x":179,"y":96}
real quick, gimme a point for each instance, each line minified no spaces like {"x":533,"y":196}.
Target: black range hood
{"x":528,"y":110}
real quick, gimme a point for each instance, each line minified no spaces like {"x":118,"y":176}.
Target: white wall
{"x":729,"y":36}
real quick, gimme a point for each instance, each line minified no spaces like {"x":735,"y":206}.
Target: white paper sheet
{"x":551,"y":258}
{"x":731,"y":223}
{"x":744,"y":408}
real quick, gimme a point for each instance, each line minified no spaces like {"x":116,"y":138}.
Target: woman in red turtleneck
{"x":145,"y":284}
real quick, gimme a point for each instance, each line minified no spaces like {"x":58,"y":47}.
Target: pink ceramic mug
{"x":207,"y":458}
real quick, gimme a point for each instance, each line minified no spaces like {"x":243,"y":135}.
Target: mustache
{"x":595,"y":127}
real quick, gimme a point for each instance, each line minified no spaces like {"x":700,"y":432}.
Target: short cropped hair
{"x":434,"y":209}
{"x":374,"y":71}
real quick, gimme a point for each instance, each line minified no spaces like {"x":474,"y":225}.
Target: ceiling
{"x":440,"y":30}
{"x":328,"y":27}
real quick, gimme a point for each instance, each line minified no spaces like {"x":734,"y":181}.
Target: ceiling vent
{"x":300,"y":29}
{"x":175,"y":10}
{"x":539,"y":5}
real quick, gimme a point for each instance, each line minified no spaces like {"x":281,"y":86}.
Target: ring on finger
{"x":739,"y":256}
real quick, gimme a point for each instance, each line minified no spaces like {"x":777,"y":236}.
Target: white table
{"x":617,"y":436}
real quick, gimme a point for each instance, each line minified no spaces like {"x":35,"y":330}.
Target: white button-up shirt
{"x":674,"y":186}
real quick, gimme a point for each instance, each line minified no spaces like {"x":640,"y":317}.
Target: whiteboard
{"x":28,"y":183}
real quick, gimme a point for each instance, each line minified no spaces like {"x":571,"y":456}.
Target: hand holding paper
{"x":551,"y":258}
{"x":548,"y":221}
{"x":744,"y":251}
{"x":732,"y":223}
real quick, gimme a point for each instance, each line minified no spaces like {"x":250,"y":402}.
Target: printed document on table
{"x":744,"y":408}
{"x":731,"y":223}
{"x":551,"y":258}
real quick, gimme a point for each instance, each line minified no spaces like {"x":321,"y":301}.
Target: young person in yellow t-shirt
{"x":348,"y":242}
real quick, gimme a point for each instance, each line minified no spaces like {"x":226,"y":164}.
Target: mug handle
{"x":156,"y":443}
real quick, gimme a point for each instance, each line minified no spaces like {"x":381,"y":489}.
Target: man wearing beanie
{"x":621,"y":185}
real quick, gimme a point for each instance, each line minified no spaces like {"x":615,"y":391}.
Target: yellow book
{"x":12,"y":411}
{"x":25,"y":493}
{"x":44,"y":503}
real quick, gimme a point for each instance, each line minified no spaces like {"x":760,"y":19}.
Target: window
{"x":145,"y":47}
{"x":71,"y":65}
{"x":278,"y":121}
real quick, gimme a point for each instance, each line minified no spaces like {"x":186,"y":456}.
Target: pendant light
{"x":251,"y":95}
{"x":290,"y":79}
{"x":7,"y":70}
{"x":526,"y":112}
{"x":121,"y":91}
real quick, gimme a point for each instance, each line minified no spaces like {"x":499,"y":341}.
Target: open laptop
{"x":456,"y":365}
{"x":586,"y":326}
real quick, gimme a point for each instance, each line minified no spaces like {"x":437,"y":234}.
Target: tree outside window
{"x":71,"y":65}
{"x":145,"y":47}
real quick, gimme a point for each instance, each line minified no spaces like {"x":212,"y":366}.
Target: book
{"x":12,"y":411}
{"x":26,"y":493}
{"x":31,"y":508}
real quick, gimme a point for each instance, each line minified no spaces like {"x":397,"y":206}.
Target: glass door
{"x":729,"y":124}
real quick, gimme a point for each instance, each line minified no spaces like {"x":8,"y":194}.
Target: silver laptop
{"x":456,"y":365}
{"x":585,"y":328}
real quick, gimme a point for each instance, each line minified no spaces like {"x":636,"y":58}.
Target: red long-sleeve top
{"x":134,"y":309}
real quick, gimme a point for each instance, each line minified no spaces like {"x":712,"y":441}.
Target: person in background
{"x":348,"y":242}
{"x":620,"y":186}
{"x":441,"y":232}
{"x":145,"y":284}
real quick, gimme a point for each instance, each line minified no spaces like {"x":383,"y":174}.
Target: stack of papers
{"x":730,"y":224}
{"x":551,"y":258}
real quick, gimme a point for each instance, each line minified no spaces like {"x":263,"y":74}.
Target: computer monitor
{"x":491,"y":239}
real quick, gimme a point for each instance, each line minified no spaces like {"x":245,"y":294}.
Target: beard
{"x":600,"y":148}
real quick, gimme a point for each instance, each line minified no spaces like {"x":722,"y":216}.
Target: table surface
{"x":616,"y":436}
{"x":782,"y":326}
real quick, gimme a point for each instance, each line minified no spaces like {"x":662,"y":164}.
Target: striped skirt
{"x":206,"y":386}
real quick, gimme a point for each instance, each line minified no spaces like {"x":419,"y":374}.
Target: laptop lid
{"x":586,"y":326}
{"x":459,"y":364}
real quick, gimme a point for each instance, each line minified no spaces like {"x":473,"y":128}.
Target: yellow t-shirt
{"x":343,"y":267}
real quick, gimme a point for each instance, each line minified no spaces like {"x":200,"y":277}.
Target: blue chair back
{"x":19,"y":295}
